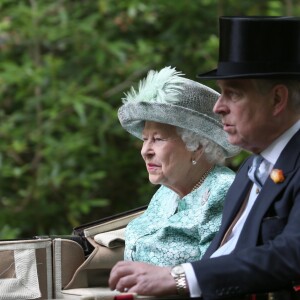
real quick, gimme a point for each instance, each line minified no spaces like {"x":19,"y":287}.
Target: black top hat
{"x":258,"y":47}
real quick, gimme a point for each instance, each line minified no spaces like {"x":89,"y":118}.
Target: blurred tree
{"x":64,"y":158}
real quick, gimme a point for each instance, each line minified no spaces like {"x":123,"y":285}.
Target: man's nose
{"x":220,"y":107}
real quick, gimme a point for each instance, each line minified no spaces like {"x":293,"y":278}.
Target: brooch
{"x":277,"y":176}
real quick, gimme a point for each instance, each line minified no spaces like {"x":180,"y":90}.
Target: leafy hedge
{"x":64,"y":158}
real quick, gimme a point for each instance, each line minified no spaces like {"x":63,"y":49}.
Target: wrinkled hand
{"x":142,"y":278}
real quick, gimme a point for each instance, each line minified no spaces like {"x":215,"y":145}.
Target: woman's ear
{"x":281,"y":95}
{"x":198,"y":153}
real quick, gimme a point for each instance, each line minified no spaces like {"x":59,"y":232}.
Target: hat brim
{"x":132,"y":117}
{"x":214,"y":74}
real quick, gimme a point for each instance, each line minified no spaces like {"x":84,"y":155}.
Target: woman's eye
{"x":157,"y":139}
{"x":152,"y":139}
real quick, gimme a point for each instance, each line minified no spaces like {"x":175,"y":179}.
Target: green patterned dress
{"x":173,"y":230}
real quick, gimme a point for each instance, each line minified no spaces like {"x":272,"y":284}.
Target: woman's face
{"x":167,"y":160}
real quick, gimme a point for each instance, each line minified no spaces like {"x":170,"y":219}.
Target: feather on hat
{"x":162,"y":87}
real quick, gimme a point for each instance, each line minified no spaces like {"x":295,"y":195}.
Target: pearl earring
{"x":193,"y":162}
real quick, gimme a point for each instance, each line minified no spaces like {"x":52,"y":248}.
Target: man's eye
{"x":231,"y":93}
{"x":234,"y":94}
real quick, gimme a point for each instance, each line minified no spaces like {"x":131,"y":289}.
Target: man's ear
{"x":281,"y":94}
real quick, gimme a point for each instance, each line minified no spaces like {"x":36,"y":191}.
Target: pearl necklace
{"x":203,"y":177}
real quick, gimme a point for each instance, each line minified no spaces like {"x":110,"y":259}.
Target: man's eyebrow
{"x":231,"y":84}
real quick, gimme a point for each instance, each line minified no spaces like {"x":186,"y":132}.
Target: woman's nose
{"x":146,"y":149}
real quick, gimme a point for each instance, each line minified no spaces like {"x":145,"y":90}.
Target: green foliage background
{"x":64,"y":66}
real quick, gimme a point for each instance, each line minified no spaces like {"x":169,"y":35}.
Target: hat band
{"x":256,"y":68}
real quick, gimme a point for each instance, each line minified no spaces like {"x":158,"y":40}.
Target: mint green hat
{"x":166,"y":97}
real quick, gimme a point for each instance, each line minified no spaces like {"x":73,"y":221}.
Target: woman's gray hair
{"x":213,"y":152}
{"x":293,"y":85}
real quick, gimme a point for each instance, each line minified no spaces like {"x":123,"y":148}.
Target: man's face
{"x":247,"y":114}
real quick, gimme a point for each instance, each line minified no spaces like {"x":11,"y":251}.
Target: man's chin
{"x":233,"y":140}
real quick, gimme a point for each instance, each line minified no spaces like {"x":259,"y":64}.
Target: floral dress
{"x":175,"y":230}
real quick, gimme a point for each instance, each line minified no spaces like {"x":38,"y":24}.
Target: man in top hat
{"x":256,"y":254}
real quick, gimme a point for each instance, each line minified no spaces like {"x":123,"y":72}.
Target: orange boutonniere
{"x":277,"y":176}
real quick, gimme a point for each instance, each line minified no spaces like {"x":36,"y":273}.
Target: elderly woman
{"x":184,"y":147}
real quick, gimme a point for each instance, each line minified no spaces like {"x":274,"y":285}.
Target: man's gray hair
{"x":213,"y":152}
{"x":293,"y":85}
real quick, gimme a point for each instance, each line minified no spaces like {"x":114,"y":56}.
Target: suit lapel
{"x":233,"y":201}
{"x":288,"y":162}
{"x":236,"y":195}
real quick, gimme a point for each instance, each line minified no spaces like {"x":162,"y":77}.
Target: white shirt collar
{"x":272,"y":153}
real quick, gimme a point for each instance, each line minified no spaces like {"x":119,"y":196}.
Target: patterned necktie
{"x":253,"y":173}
